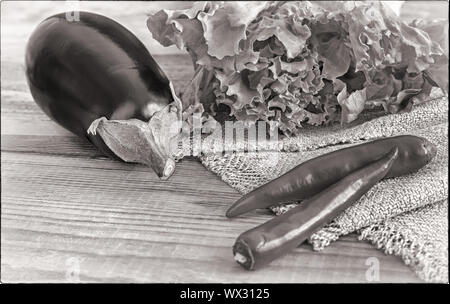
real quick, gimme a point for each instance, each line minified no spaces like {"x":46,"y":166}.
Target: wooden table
{"x":71,"y":215}
{"x":64,"y":206}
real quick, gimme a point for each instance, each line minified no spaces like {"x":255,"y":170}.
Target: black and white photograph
{"x":221,"y":142}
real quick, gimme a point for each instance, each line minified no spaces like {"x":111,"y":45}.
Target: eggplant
{"x":97,"y":79}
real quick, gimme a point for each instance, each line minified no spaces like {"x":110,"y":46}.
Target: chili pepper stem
{"x":240,"y":258}
{"x":243,"y":255}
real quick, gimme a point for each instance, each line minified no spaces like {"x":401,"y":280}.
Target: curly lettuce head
{"x":300,"y":62}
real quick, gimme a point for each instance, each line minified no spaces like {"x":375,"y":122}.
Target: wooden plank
{"x":49,"y":144}
{"x":122,"y":224}
{"x":62,"y":200}
{"x":63,"y":203}
{"x":19,"y":19}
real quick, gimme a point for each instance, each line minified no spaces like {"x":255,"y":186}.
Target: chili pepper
{"x":316,"y":174}
{"x":283,"y":233}
{"x":92,"y":72}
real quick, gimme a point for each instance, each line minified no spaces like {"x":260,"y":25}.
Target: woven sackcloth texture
{"x":245,"y":171}
{"x":420,"y":237}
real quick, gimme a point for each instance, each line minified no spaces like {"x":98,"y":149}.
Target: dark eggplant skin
{"x":79,"y":71}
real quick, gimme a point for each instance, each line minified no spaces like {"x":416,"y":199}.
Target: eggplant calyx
{"x":137,"y":141}
{"x":169,"y":168}
{"x":92,"y":130}
{"x":153,"y":143}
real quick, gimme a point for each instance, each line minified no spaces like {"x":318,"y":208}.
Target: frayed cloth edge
{"x":414,"y":254}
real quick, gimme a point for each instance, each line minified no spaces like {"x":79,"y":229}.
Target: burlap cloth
{"x":405,"y":216}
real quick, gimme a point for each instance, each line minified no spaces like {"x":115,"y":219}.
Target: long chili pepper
{"x":283,"y":233}
{"x":312,"y":176}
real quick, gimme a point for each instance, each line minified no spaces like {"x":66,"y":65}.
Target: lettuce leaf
{"x":292,"y":63}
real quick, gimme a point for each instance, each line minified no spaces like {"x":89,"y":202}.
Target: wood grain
{"x":123,"y":224}
{"x":66,"y":207}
